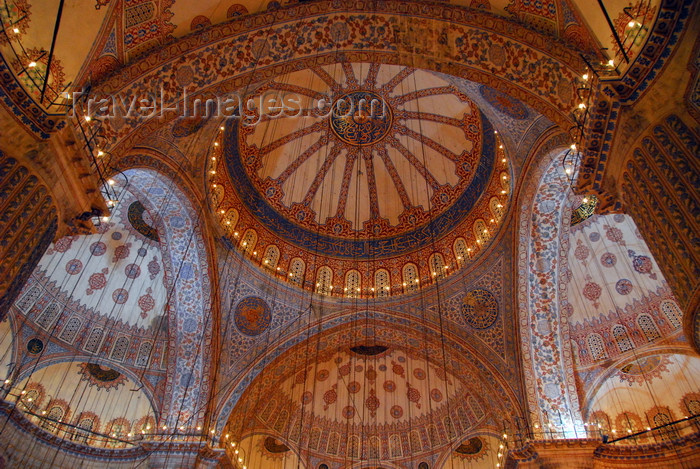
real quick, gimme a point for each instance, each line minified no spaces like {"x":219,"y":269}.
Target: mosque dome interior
{"x":349,"y":234}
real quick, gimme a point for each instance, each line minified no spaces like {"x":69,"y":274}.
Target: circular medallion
{"x":361,"y":118}
{"x":353,"y":387}
{"x":252,"y":316}
{"x":348,"y":412}
{"x":480,"y":308}
{"x":74,"y":266}
{"x":608,"y":259}
{"x":623,"y":286}
{"x":35,"y":346}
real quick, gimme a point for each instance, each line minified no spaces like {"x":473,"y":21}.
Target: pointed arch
{"x":544,"y":227}
{"x":186,"y":263}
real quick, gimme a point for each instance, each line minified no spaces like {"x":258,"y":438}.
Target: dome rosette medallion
{"x":369,"y":163}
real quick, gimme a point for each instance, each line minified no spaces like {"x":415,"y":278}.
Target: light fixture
{"x":31,"y":64}
{"x":15,"y":30}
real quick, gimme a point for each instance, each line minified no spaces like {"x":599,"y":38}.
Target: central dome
{"x":362,"y":162}
{"x":361,"y":118}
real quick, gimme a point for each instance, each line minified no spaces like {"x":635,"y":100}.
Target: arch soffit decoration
{"x":284,"y":350}
{"x":545,"y":350}
{"x":547,"y":85}
{"x":182,"y":370}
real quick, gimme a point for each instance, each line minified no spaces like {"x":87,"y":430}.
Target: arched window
{"x":55,"y":413}
{"x":31,"y":399}
{"x":94,"y":339}
{"x":646,"y":324}
{"x":481,"y":232}
{"x":505,"y":184}
{"x":333,"y":443}
{"x":476,"y":408}
{"x":672,"y":313}
{"x":623,"y":341}
{"x":120,"y":348}
{"x":410,"y":278}
{"x":416,"y":445}
{"x":381,"y":283}
{"x":601,"y":422}
{"x":447,"y":422}
{"x":395,"y":446}
{"x":628,"y":422}
{"x":83,"y":429}
{"x":29,"y":298}
{"x":324,"y":277}
{"x":460,"y":250}
{"x":49,"y":316}
{"x":296,"y":271}
{"x":217,"y":194}
{"x":596,"y":347}
{"x":269,"y":411}
{"x":433,"y":436}
{"x":693,"y":406}
{"x":353,"y":286}
{"x":464,"y":419}
{"x":118,"y":428}
{"x":249,"y":240}
{"x":662,"y":418}
{"x":271,"y":257}
{"x":281,"y":422}
{"x":70,"y":331}
{"x":314,"y":438}
{"x":231,"y":218}
{"x":144,"y":354}
{"x":496,"y":208}
{"x":354,"y":447}
{"x":437,"y":266}
{"x":374,"y":446}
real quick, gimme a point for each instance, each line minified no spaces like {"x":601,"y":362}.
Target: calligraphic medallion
{"x":361,"y":118}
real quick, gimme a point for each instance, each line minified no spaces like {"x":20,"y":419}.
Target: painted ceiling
{"x":346,"y":206}
{"x":425,"y":180}
{"x":389,"y":385}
